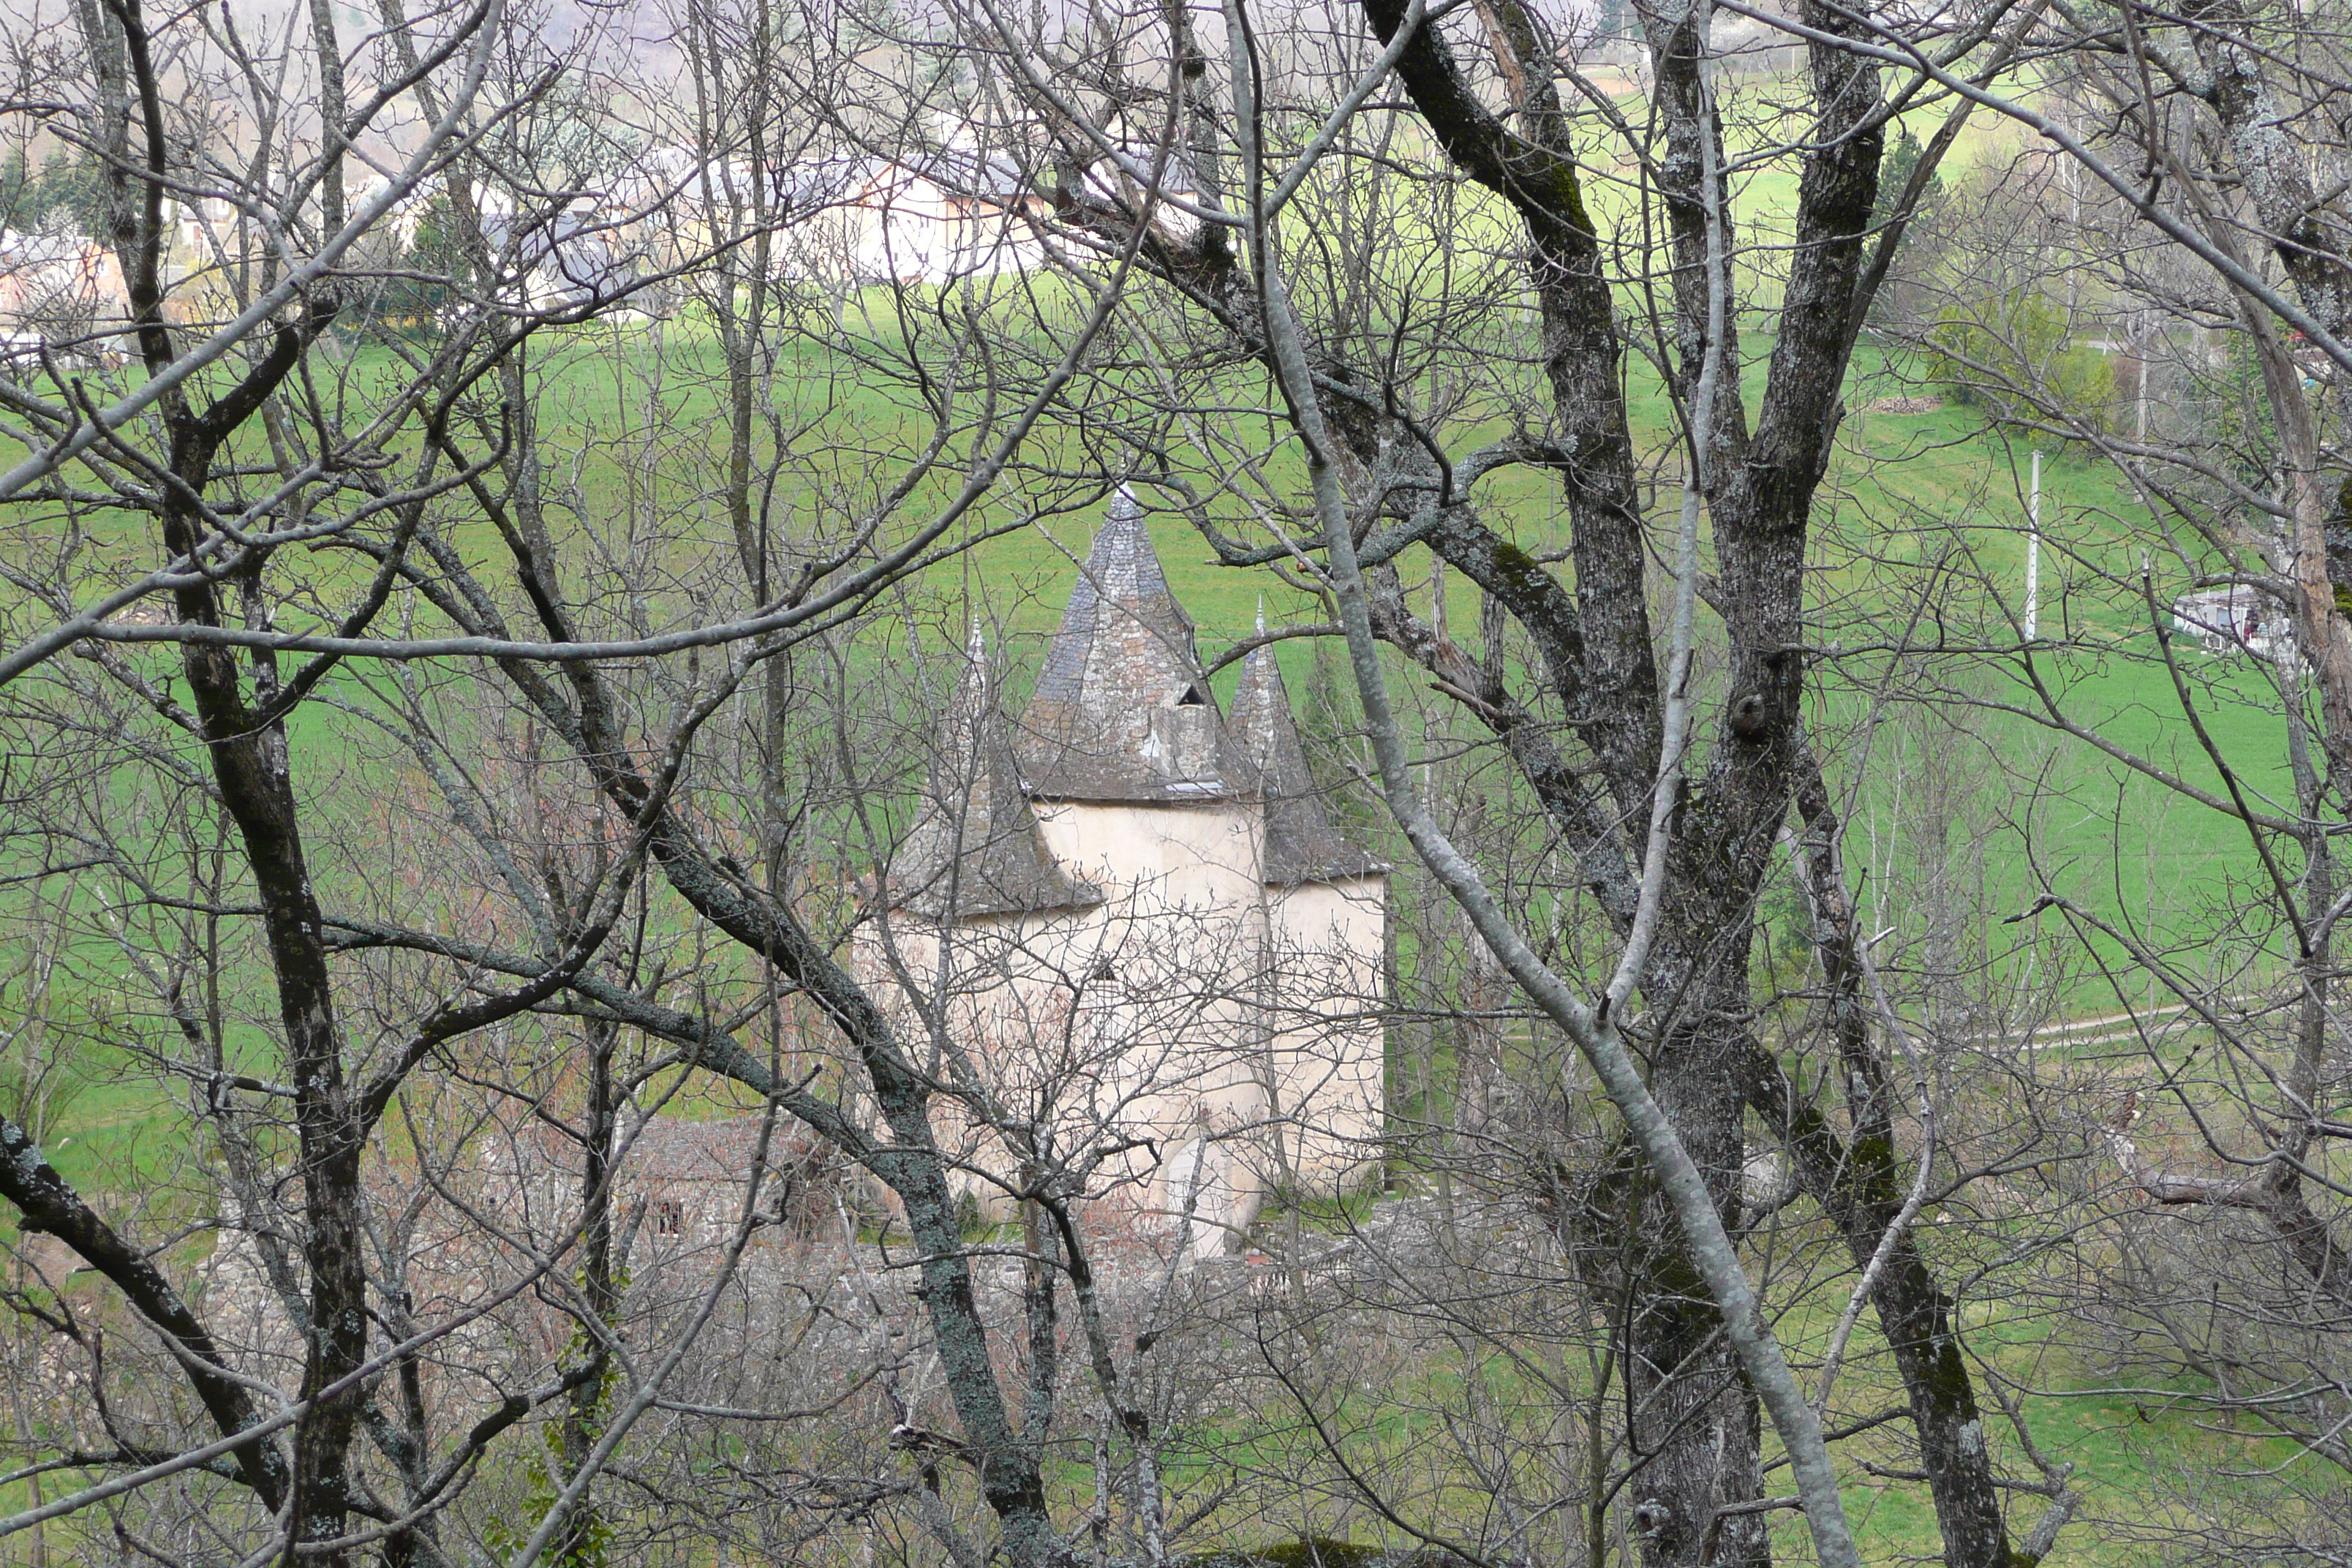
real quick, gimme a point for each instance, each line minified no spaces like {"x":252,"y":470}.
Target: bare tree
{"x":268,"y":448}
{"x":1272,"y":260}
{"x":2204,"y":282}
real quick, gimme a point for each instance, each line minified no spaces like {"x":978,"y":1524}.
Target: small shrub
{"x":2015,"y":352}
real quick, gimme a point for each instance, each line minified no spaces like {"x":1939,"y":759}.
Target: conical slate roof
{"x":1122,"y":712}
{"x":1301,"y":845}
{"x":976,"y":849}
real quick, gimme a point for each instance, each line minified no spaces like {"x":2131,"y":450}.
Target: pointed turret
{"x":976,"y":849}
{"x":1301,"y":845}
{"x":1121,"y":710}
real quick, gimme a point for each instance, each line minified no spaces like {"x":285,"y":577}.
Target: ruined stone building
{"x":1130,"y":923}
{"x":450,"y":1232}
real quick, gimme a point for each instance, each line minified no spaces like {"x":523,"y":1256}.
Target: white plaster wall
{"x":1232,"y":1027}
{"x":1327,"y":985}
{"x":1182,"y":930}
{"x":1014,"y":988}
{"x":1136,"y":1020}
{"x":914,"y":232}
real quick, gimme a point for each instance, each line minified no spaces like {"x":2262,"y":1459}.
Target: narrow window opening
{"x":669,"y":1218}
{"x":1191,"y":699}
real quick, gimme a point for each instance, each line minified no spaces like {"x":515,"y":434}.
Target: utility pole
{"x":2139,"y":419}
{"x":2033,"y":550}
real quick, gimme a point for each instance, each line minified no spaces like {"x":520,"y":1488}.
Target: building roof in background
{"x":977,"y":848}
{"x":1301,"y":845}
{"x":797,"y":186}
{"x":791,"y":185}
{"x":1122,"y":713}
{"x":663,"y":1149}
{"x":677,"y":1149}
{"x":994,"y":176}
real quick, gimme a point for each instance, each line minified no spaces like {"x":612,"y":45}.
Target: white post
{"x":2139,"y":417}
{"x":2033,"y":550}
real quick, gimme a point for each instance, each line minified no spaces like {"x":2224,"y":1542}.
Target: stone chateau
{"x":1132,"y":926}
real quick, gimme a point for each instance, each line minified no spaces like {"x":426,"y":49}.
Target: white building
{"x":61,"y":295}
{"x":2239,"y":618}
{"x":937,"y":217}
{"x":1143,"y":935}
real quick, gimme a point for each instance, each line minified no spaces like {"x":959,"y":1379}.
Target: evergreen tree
{"x":1895,"y":178}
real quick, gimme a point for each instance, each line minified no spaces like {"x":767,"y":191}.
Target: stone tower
{"x":1139,"y":920}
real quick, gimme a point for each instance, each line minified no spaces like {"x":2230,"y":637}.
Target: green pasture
{"x":1920,"y":528}
{"x":1919,"y":541}
{"x":1395,"y":1421}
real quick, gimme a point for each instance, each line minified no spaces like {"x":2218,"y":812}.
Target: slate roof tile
{"x":977,"y":848}
{"x":1122,"y":711}
{"x":1301,"y":845}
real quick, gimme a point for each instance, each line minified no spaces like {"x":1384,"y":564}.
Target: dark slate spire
{"x":1301,"y":845}
{"x":976,"y":849}
{"x":1121,"y":710}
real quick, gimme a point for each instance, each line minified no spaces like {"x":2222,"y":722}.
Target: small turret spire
{"x":976,"y":850}
{"x":1301,"y":845}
